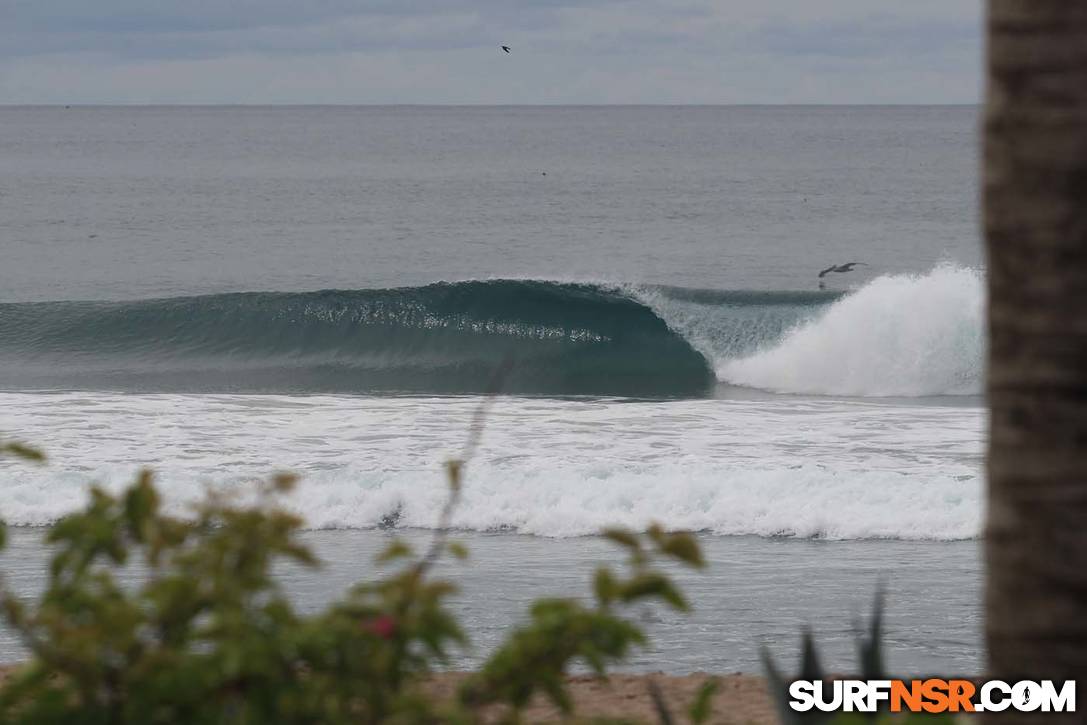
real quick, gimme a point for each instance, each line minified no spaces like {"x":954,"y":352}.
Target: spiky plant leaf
{"x":870,"y":647}
{"x":702,"y":707}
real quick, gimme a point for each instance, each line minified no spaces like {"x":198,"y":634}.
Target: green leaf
{"x":458,"y":550}
{"x":284,"y":482}
{"x":810,"y":669}
{"x":396,"y":550}
{"x":623,"y":537}
{"x":870,"y":647}
{"x":652,"y":584}
{"x":25,"y":452}
{"x":778,"y":688}
{"x":664,"y":715}
{"x":141,"y":502}
{"x":454,"y":470}
{"x":683,"y":547}
{"x":604,"y":586}
{"x":702,"y":707}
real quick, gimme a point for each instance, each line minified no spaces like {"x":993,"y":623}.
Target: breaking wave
{"x":821,"y":468}
{"x":898,"y":335}
{"x":806,"y":501}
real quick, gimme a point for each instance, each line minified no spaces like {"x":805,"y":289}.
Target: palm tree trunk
{"x":1035,"y":205}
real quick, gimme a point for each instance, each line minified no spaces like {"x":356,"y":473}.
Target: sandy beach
{"x":740,"y":698}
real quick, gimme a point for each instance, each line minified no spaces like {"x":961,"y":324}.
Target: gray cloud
{"x":868,"y":37}
{"x":445,"y":51}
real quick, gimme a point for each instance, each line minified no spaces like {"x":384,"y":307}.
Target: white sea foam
{"x":898,"y":335}
{"x":769,"y":467}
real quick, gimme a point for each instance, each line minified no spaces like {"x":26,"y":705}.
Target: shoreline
{"x":740,"y":699}
{"x":745,"y":600}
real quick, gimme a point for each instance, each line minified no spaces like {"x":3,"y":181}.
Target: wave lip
{"x":899,"y":335}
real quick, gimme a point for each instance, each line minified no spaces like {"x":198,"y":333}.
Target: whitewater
{"x":840,"y":416}
{"x":800,"y":468}
{"x":899,"y":335}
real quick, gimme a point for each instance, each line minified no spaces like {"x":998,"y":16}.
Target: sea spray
{"x":899,"y":335}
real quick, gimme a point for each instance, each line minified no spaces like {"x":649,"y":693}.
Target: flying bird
{"x":847,"y":267}
{"x":506,"y":48}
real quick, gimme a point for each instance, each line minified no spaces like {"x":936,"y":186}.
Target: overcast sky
{"x":447,"y":51}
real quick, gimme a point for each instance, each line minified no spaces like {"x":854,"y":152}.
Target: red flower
{"x":383,"y":625}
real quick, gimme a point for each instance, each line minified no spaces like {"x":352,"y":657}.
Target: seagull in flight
{"x":847,"y":267}
{"x":506,"y":48}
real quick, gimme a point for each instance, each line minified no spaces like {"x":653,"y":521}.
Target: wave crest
{"x":899,"y":335}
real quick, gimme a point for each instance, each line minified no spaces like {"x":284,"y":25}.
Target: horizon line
{"x":487,"y":105}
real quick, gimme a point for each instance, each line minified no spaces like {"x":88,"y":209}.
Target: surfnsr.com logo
{"x":932,"y":696}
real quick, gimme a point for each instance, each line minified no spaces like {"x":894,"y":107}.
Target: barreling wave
{"x":564,"y":339}
{"x":896,"y":336}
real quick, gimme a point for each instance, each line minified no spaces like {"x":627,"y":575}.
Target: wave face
{"x":898,"y":335}
{"x":448,"y":338}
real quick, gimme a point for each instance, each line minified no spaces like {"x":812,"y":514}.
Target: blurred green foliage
{"x":14,"y":449}
{"x":18,"y":450}
{"x":209,"y":636}
{"x":869,"y":643}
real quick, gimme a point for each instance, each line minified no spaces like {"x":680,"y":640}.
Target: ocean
{"x":220,"y":293}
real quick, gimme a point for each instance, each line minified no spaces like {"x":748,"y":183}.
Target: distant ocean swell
{"x":898,"y":335}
